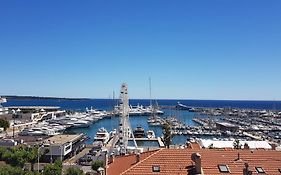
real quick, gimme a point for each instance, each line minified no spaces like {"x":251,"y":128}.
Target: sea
{"x":112,"y":123}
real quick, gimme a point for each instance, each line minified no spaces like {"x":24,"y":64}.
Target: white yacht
{"x":3,"y":110}
{"x":102,"y":135}
{"x":32,"y":132}
{"x":150,"y":134}
{"x":57,"y":127}
{"x":96,"y":112}
{"x":81,"y":124}
{"x":49,"y":131}
{"x":90,"y":119}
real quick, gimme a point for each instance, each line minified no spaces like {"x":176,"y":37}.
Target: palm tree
{"x":167,"y":135}
{"x":236,"y":144}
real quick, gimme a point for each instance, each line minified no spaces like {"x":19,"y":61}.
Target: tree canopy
{"x":74,"y":171}
{"x":53,"y":169}
{"x":96,"y":164}
{"x":167,"y":135}
{"x":9,"y":170}
{"x":4,"y":124}
{"x":236,"y":144}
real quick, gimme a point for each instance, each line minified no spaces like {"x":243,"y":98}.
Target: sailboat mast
{"x":150,"y":92}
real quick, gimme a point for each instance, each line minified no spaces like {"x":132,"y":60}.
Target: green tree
{"x":167,"y":135}
{"x":8,"y":170}
{"x":236,"y":144}
{"x":7,"y":156}
{"x":32,"y":156}
{"x":96,"y":164}
{"x":4,"y":124}
{"x":2,"y":151}
{"x":53,"y":169}
{"x":74,"y":171}
{"x":18,"y":156}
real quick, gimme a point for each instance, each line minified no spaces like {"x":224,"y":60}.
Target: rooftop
{"x":178,"y":161}
{"x":205,"y":143}
{"x":62,"y":139}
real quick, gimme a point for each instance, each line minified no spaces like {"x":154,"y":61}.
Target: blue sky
{"x":219,"y":49}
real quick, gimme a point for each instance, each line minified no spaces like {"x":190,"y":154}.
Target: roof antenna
{"x":238,"y":157}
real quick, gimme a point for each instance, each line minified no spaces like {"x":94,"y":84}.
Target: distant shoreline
{"x":15,"y":97}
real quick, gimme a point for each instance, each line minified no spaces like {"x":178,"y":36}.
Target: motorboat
{"x":81,"y":124}
{"x":150,"y":134}
{"x":49,"y":131}
{"x":3,"y":110}
{"x":139,"y":132}
{"x":139,"y":110}
{"x":102,"y":135}
{"x":32,"y":132}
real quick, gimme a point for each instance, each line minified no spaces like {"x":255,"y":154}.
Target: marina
{"x":185,"y":124}
{"x":98,"y":133}
{"x":76,"y":94}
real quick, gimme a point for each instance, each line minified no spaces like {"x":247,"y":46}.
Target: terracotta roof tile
{"x":123,"y":163}
{"x":178,"y":161}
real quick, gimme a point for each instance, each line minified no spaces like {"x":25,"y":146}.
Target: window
{"x":260,"y":170}
{"x":223,"y":168}
{"x":68,"y":148}
{"x":155,"y":168}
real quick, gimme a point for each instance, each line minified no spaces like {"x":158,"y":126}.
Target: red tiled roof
{"x":195,"y":145}
{"x":123,"y":163}
{"x":178,"y":161}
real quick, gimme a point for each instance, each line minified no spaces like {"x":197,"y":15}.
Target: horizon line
{"x":92,"y":98}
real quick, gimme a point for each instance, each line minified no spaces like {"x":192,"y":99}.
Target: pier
{"x":34,"y":107}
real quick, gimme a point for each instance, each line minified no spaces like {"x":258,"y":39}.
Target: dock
{"x":34,"y":107}
{"x":199,"y":121}
{"x":110,"y":145}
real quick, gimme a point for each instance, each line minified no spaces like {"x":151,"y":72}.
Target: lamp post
{"x":38,"y":156}
{"x":14,"y":116}
{"x":61,"y":148}
{"x":51,"y":153}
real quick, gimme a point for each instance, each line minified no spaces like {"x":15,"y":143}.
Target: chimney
{"x":273,"y":146}
{"x":246,"y":170}
{"x":137,"y":157}
{"x":238,"y":157}
{"x":246,"y":146}
{"x":196,"y":158}
{"x":111,"y":158}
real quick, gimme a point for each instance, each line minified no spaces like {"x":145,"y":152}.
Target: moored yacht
{"x":102,"y":136}
{"x":150,"y":134}
{"x":3,"y":110}
{"x":81,"y":124}
{"x":32,"y":132}
{"x":139,"y":132}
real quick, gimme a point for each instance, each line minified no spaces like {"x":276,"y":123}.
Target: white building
{"x":63,"y":146}
{"x":206,"y":143}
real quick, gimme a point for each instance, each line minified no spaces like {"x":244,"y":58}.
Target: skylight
{"x":155,"y":168}
{"x":260,"y":170}
{"x":223,"y":168}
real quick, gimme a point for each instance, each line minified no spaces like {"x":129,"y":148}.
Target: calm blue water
{"x":111,"y":123}
{"x":108,"y":103}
